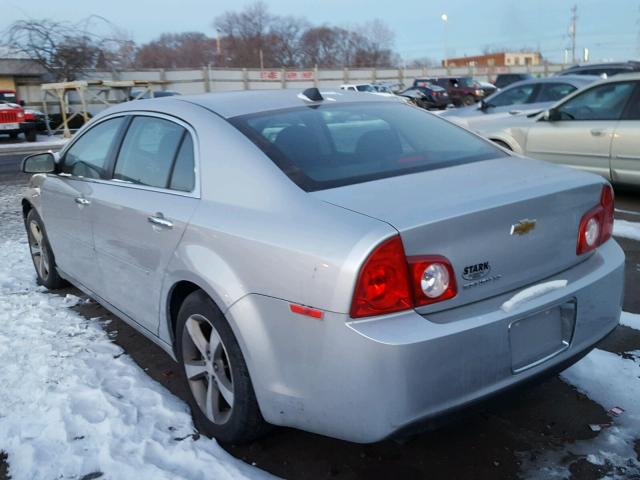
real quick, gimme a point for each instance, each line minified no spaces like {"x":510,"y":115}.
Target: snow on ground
{"x":630,"y":320}
{"x":71,"y":402}
{"x":623,"y":228}
{"x":612,"y":381}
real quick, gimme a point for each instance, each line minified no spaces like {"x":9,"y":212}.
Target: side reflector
{"x":306,"y":311}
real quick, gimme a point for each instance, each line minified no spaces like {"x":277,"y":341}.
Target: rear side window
{"x":552,"y":92}
{"x":329,"y":145}
{"x":148,"y":152}
{"x":183,"y":177}
{"x":89,"y":156}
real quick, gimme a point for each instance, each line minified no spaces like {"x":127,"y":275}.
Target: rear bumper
{"x":365,"y":380}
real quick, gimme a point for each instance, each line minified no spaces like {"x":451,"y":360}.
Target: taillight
{"x":383,"y":283}
{"x":596,"y":226}
{"x":390,"y":282}
{"x":433,"y":279}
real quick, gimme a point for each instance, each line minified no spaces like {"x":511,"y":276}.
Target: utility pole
{"x":572,"y":32}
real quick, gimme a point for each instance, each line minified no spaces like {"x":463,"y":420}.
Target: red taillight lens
{"x":596,"y":226}
{"x":383,"y":283}
{"x":433,"y":279}
{"x":389,"y":282}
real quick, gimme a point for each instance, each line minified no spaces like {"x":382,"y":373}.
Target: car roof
{"x":573,"y":79}
{"x":630,"y":63}
{"x":246,"y":102}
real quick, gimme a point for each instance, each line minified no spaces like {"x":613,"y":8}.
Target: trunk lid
{"x":467,"y":214}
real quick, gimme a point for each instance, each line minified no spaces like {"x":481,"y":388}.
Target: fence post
{"x":283,"y":80}
{"x":315,"y":75}
{"x":401,"y":75}
{"x":245,"y":79}
{"x":345,"y":75}
{"x":163,"y":79}
{"x":205,"y":79}
{"x":374,"y":74}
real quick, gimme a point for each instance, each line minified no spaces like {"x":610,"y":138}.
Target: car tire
{"x":13,"y":135}
{"x":31,"y":135}
{"x":221,"y":395}
{"x":43,"y":260}
{"x":468,"y":100}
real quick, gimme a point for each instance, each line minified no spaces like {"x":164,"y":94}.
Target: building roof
{"x":21,"y":67}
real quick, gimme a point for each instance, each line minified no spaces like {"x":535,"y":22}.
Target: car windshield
{"x":8,"y":97}
{"x":468,"y":82}
{"x":327,"y":146}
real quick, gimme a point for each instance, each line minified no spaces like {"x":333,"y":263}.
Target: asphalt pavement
{"x":492,"y":440}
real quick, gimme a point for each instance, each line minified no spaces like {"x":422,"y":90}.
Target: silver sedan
{"x":344,"y":264}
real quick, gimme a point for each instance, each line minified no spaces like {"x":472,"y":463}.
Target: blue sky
{"x":608,"y":28}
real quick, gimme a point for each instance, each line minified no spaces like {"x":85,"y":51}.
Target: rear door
{"x":140,"y":215}
{"x":581,"y":137}
{"x":67,"y":200}
{"x":625,"y":149}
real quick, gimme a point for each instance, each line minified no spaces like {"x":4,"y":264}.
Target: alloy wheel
{"x":208,"y":369}
{"x":38,"y":249}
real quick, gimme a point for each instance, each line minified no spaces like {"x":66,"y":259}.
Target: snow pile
{"x":630,"y":320}
{"x":623,"y":228}
{"x":73,"y":404}
{"x":531,"y":293}
{"x":612,"y":381}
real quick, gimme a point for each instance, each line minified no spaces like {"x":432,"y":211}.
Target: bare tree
{"x":246,"y":36}
{"x":66,"y":50}
{"x":177,"y":50}
{"x":286,"y":34}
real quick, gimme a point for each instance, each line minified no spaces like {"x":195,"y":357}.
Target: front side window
{"x":89,"y":156}
{"x":552,"y":92}
{"x":512,"y":96}
{"x":329,"y":145}
{"x":148,"y":152}
{"x":604,"y":102}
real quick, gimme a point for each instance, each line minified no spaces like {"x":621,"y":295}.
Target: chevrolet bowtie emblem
{"x":523,"y":227}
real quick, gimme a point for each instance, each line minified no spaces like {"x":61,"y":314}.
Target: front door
{"x":67,"y":201}
{"x":580,"y":132}
{"x":139,"y":217}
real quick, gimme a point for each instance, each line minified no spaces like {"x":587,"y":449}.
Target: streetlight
{"x":445,"y":19}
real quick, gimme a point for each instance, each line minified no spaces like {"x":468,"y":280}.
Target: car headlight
{"x":479,"y":92}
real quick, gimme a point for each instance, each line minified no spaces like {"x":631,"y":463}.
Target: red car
{"x":462,"y":90}
{"x":13,"y":120}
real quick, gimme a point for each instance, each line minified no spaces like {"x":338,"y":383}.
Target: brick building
{"x":498,"y":59}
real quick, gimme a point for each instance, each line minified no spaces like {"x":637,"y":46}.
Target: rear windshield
{"x":327,"y":146}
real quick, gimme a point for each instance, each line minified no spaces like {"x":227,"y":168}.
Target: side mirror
{"x":484,"y":105}
{"x":551,"y":115}
{"x":39,"y":163}
{"x":21,"y":103}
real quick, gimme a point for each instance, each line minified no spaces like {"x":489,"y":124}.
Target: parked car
{"x":345,"y":264}
{"x":388,"y":87}
{"x":595,"y":129}
{"x":505,"y":79}
{"x":13,"y":122}
{"x":427,"y":96}
{"x":10,"y":96}
{"x":367,"y":88}
{"x":525,"y":97}
{"x":461,"y":90}
{"x":602,"y":69}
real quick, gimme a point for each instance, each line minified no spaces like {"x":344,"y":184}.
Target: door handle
{"x":598,"y":132}
{"x":82,"y":201}
{"x":158,"y":219}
